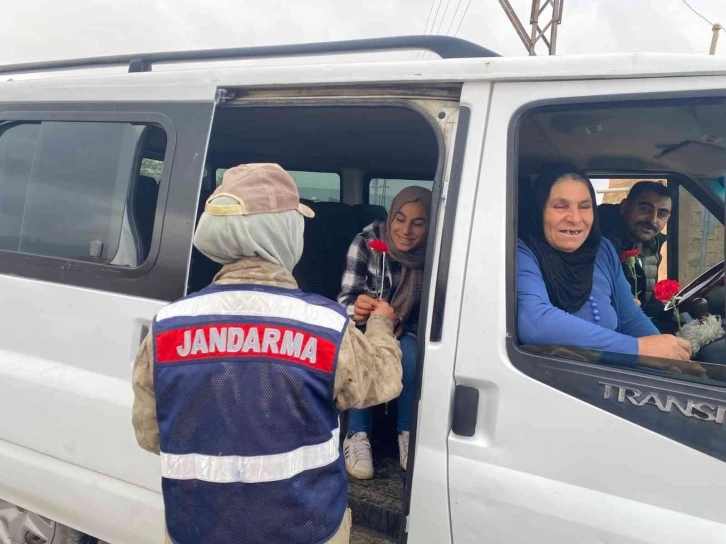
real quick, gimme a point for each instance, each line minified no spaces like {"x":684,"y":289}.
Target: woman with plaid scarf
{"x":395,"y":277}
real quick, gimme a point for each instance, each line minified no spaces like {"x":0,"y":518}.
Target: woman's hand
{"x":637,"y":301}
{"x":363,"y":307}
{"x":673,"y":354}
{"x":383,"y":309}
{"x":667,"y":346}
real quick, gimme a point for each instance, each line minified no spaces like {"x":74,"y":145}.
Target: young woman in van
{"x":394,"y":276}
{"x":571,"y":290}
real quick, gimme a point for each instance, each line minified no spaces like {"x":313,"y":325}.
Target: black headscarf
{"x":568,"y":276}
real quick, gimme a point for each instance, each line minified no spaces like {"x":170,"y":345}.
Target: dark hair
{"x":645,"y":186}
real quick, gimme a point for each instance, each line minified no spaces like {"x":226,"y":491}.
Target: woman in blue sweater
{"x":570,"y":286}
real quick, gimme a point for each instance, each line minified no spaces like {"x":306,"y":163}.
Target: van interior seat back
{"x":368,"y":213}
{"x":145,"y":193}
{"x":327,"y":238}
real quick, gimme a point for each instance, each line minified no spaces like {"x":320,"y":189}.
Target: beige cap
{"x":258,"y":188}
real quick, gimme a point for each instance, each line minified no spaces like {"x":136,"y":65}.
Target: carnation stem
{"x":677,"y":314}
{"x":383,"y":273}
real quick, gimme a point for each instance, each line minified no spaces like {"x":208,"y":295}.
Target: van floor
{"x":360,"y":535}
{"x":377,"y":504}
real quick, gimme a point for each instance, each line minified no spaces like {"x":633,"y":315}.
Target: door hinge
{"x":405,"y":525}
{"x":223,"y":95}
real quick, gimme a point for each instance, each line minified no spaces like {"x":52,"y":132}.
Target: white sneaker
{"x":403,"y":448}
{"x":358,"y":458}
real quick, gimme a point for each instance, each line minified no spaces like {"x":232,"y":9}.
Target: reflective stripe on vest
{"x":257,"y":469}
{"x":253,"y":304}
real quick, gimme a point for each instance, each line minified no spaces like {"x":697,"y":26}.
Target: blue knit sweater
{"x":621,"y":322}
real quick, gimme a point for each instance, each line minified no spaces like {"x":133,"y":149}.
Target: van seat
{"x":368,"y":213}
{"x":327,"y":238}
{"x":143,"y":209}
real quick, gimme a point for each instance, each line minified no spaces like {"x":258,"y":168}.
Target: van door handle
{"x":466,"y":409}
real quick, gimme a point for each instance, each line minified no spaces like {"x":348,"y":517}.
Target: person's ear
{"x":624,"y":206}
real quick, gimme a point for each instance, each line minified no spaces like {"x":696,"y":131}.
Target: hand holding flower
{"x":363,"y":307}
{"x":379,"y":249}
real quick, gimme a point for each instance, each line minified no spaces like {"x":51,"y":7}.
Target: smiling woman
{"x":397,"y":281}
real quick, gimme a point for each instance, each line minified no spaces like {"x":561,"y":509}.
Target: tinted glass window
{"x":76,"y":190}
{"x":316,"y":186}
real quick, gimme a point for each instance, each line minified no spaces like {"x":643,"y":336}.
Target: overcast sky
{"x":53,"y":29}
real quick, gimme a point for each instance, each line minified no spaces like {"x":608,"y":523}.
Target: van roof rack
{"x":447,"y":47}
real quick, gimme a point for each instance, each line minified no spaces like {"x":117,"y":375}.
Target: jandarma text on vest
{"x":245,"y":341}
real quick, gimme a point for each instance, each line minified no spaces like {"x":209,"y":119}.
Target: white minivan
{"x":105,"y":164}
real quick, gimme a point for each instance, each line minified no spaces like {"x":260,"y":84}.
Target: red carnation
{"x":629,"y":254}
{"x":378,"y":246}
{"x":628,"y":258}
{"x":665,"y":290}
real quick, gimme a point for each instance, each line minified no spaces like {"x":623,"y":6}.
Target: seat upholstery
{"x":327,"y":238}
{"x":143,"y":211}
{"x":368,"y":213}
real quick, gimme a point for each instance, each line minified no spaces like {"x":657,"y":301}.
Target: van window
{"x":700,"y":237}
{"x":677,"y":236}
{"x":78,"y":191}
{"x":382,"y":191}
{"x":315,"y":186}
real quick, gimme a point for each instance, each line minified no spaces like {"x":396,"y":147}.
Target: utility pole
{"x":717,"y":28}
{"x":538,"y":32}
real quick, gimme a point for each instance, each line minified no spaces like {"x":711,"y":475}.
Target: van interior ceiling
{"x":391,"y":141}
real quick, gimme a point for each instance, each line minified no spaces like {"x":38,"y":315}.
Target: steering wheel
{"x":699,"y":287}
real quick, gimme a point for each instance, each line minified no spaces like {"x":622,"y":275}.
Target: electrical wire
{"x":451,"y":24}
{"x":462,"y":18}
{"x":694,"y":11}
{"x":438,"y":8}
{"x":428,"y":19}
{"x":443,"y":17}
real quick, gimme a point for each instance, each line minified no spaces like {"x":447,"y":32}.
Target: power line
{"x":462,"y":19}
{"x":443,"y":17}
{"x":434,"y":22}
{"x":458,"y":5}
{"x":694,"y":11}
{"x":428,"y":19}
{"x":431,"y":10}
{"x":436,"y":16}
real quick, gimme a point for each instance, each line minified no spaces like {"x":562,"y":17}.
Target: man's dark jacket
{"x":615,"y":229}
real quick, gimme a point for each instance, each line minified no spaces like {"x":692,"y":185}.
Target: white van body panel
{"x":522,"y":477}
{"x":66,"y":352}
{"x":429,"y":519}
{"x":71,"y":391}
{"x":586,"y":67}
{"x":66,"y":355}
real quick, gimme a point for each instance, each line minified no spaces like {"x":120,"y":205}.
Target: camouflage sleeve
{"x":369,"y":366}
{"x":144,"y":410}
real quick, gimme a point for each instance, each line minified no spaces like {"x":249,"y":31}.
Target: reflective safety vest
{"x":250,"y":447}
